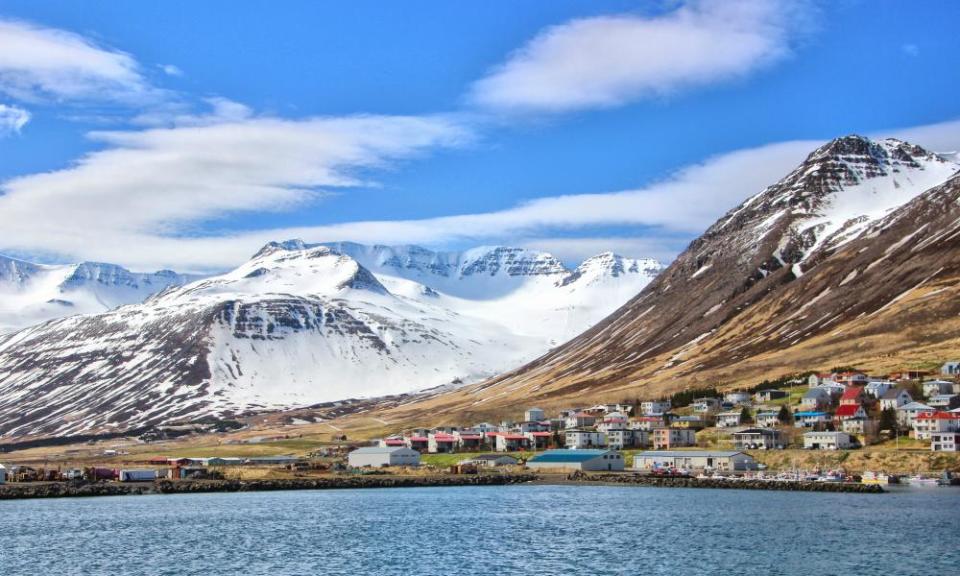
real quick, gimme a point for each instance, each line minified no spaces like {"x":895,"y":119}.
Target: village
{"x":699,"y":433}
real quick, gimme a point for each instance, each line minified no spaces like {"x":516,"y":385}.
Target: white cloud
{"x":122,"y":202}
{"x":12,"y":119}
{"x":170,"y":70}
{"x":48,"y":64}
{"x":910,"y":49}
{"x":135,"y":203}
{"x":611,"y":60}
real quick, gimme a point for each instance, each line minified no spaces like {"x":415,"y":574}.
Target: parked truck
{"x":96,"y":474}
{"x":145,"y":475}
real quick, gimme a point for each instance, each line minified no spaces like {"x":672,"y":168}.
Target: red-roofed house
{"x":852,"y":419}
{"x":468,"y":441}
{"x":847,"y":411}
{"x":853,"y":395}
{"x":442,"y":443}
{"x":540,"y":440}
{"x":393,"y":442}
{"x":508,"y":442}
{"x":419,"y":443}
{"x":927,"y":423}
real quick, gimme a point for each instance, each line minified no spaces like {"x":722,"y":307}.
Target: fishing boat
{"x":922,"y":481}
{"x":878,"y":478}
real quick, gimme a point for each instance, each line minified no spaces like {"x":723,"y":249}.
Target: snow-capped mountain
{"x":851,"y":259}
{"x":300,"y":324}
{"x":32,"y":293}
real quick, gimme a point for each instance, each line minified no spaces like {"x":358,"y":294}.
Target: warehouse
{"x":725,"y":461}
{"x":377,"y":457}
{"x":585,"y":460}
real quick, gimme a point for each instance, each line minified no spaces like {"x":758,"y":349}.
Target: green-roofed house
{"x":584,"y":460}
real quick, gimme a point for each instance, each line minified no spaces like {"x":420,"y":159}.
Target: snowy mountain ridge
{"x":300,"y":324}
{"x":33,"y":293}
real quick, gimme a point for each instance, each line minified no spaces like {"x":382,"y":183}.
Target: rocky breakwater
{"x":738,"y":483}
{"x":66,"y":490}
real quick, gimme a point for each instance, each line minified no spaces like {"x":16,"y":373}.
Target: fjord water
{"x":545,"y":530}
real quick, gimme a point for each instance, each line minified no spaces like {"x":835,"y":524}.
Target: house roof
{"x":419,"y":439}
{"x":809,"y":413}
{"x":767,"y":413}
{"x":485,"y":457}
{"x":764,"y":431}
{"x":892,"y":393}
{"x":916,"y":406}
{"x":939,"y":416}
{"x":848,"y":410}
{"x":377,"y":450}
{"x":568,"y":455}
{"x":541,"y":434}
{"x":815,"y":393}
{"x":852,"y":393}
{"x":688,"y":454}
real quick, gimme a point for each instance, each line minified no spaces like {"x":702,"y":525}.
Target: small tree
{"x":785,"y":416}
{"x":745,"y":416}
{"x":888,"y":419}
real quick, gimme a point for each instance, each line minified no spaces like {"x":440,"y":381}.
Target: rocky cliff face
{"x":853,"y":258}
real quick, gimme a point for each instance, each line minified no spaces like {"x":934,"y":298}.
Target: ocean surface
{"x":530,"y":530}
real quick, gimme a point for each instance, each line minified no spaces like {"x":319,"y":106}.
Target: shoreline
{"x":27,"y":491}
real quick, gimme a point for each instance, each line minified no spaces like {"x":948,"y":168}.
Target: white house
{"x":584,"y":439}
{"x":895,"y":398}
{"x":534,"y":414}
{"x":769,"y":395}
{"x":706,"y":404}
{"x":819,"y":379}
{"x":907,"y":414}
{"x":491,"y":460}
{"x":758,"y":438}
{"x":767,"y":419}
{"x":724,"y":461}
{"x":620,"y":438}
{"x":944,"y":441}
{"x":509,"y":442}
{"x":584,"y":460}
{"x":737,"y":398}
{"x":929,"y":423}
{"x":951,"y":368}
{"x":877,"y":388}
{"x":377,"y":457}
{"x":944,"y":401}
{"x":579,"y":420}
{"x":935,"y":387}
{"x":728,"y":419}
{"x":655,"y":407}
{"x":815,"y":398}
{"x":809,"y":419}
{"x":827,"y":441}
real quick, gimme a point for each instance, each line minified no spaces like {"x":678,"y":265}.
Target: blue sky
{"x":185,"y":134}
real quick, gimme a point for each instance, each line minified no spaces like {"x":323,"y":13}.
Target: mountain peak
{"x":286,"y":245}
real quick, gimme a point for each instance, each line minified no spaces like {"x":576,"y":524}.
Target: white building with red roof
{"x":928,"y":423}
